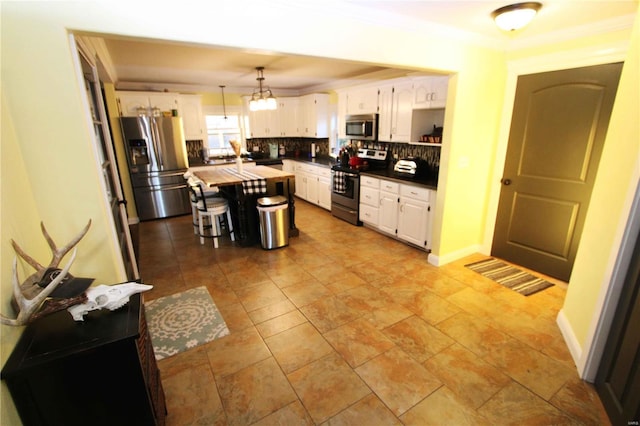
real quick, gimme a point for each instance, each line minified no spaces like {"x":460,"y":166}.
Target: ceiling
{"x":155,"y":65}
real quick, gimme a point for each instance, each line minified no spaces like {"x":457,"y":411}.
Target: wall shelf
{"x":425,"y":143}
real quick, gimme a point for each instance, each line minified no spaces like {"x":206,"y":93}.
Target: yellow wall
{"x":467,"y":153}
{"x":618,"y":176}
{"x":230,"y":99}
{"x":49,"y":135}
{"x":20,"y":219}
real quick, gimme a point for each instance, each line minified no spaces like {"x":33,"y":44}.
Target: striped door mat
{"x":509,"y":276}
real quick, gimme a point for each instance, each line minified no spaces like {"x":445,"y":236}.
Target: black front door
{"x":558,"y":129}
{"x":618,"y":379}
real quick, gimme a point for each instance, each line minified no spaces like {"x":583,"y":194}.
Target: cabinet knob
{"x":506,"y":182}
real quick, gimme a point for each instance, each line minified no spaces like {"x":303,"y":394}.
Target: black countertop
{"x":320,"y":160}
{"x":328,"y":161}
{"x":429,"y":182}
{"x":389,"y":174}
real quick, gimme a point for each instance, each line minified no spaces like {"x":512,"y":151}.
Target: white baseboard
{"x":133,"y":220}
{"x":572,"y":342}
{"x":452,"y":257}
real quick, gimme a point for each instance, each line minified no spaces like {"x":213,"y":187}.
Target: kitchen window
{"x":221,"y":129}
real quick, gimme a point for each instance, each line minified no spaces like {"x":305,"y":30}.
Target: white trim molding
{"x":569,"y":337}
{"x":456,"y":255}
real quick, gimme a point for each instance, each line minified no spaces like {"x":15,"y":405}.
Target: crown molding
{"x":145,"y":86}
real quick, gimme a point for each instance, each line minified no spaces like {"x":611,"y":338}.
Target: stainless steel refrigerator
{"x":157,"y":158}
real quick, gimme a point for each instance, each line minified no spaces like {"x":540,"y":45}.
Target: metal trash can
{"x":274,"y":221}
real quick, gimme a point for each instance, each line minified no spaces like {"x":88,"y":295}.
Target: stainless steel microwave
{"x":362,"y":127}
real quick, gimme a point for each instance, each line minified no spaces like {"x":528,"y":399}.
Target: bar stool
{"x":209,"y":193}
{"x":216,"y":210}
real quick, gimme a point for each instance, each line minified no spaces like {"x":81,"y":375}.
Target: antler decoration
{"x":30,"y":296}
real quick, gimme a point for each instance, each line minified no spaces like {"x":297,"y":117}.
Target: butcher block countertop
{"x":229,"y":175}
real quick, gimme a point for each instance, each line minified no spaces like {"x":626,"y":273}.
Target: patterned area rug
{"x":509,"y":276}
{"x":183,"y":321}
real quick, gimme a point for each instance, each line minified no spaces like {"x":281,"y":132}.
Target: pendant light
{"x":262,"y":99}
{"x":224,"y":107}
{"x":515,"y":16}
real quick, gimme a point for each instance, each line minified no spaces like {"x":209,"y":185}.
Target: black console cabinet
{"x":98,"y":372}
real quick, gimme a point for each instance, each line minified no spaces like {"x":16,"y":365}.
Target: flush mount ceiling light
{"x":262,"y":99}
{"x":515,"y":16}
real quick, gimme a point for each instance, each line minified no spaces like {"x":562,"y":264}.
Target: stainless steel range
{"x":345,"y":183}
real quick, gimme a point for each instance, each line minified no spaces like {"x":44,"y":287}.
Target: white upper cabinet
{"x":430,"y":92}
{"x":190,"y":109}
{"x":304,"y":116}
{"x":384,"y":117}
{"x":398,"y":102}
{"x":133,"y":103}
{"x":288,"y":117}
{"x":262,"y":124}
{"x":362,"y":100}
{"x":314,"y":119}
{"x":401,"y":111}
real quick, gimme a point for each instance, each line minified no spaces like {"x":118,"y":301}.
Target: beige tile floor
{"x":348,"y":327}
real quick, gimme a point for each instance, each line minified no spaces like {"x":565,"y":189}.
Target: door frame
{"x":609,"y":296}
{"x":587,"y":358}
{"x":80,"y":48}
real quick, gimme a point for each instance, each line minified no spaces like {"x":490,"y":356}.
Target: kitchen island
{"x":221,"y":176}
{"x":243,"y":188}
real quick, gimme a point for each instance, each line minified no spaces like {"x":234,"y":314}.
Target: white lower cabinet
{"x":398,"y":209}
{"x":313,"y":184}
{"x":389,"y":196}
{"x":301,"y":184}
{"x":324,"y":191}
{"x":413,"y":215}
{"x":288,"y":166}
{"x":369,"y":200}
{"x":312,"y":188}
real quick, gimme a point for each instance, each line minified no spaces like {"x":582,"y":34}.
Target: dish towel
{"x":339,"y":182}
{"x":251,"y":183}
{"x":254,"y":186}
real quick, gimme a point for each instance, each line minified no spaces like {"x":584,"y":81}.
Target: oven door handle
{"x":347,"y":174}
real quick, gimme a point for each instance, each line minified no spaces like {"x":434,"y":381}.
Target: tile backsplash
{"x":291,"y":145}
{"x":194,"y":148}
{"x":429,"y":153}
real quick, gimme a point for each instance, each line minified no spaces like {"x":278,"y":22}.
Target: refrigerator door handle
{"x":155,"y":137}
{"x":165,"y":187}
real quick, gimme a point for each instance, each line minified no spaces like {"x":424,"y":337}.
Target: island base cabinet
{"x":98,"y":372}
